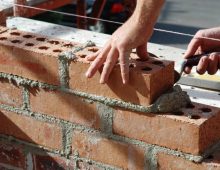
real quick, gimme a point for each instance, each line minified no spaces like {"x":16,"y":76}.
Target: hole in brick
{"x":210,"y":157}
{"x":141,"y":59}
{"x":57,"y":51}
{"x":54,"y":42}
{"x":29,"y":44}
{"x":205,"y":109}
{"x":82,"y":55}
{"x":131,"y":65}
{"x":16,"y":41}
{"x":179,"y":113}
{"x":15,"y":33}
{"x":93,"y":49}
{"x":152,"y":55}
{"x":68,"y":45}
{"x":195,"y":117}
{"x":3,"y":38}
{"x":43,"y":48}
{"x":41,"y":39}
{"x":146,"y":69}
{"x":190,"y":106}
{"x":28,"y":36}
{"x":157,"y":62}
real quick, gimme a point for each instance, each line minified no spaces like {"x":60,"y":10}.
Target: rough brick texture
{"x":10,"y":94}
{"x":12,"y":155}
{"x":65,"y":106}
{"x":172,"y":131}
{"x":176,"y":163}
{"x":29,"y":56}
{"x":30,"y":130}
{"x":101,"y":149}
{"x":147,"y":80}
{"x":35,"y":57}
{"x":49,"y":162}
{"x":77,"y":133}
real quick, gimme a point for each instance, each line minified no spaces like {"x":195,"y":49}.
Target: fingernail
{"x":102,"y":82}
{"x":124,"y":81}
{"x":88,"y":74}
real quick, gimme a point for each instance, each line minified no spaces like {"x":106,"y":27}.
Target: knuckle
{"x":199,"y":33}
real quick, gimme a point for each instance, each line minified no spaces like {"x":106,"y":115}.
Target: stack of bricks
{"x":52,"y":117}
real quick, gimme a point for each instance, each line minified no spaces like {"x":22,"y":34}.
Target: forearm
{"x":147,"y":12}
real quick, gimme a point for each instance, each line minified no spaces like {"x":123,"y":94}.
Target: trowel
{"x":190,"y":62}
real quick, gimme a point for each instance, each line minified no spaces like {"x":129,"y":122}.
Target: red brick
{"x":172,"y":131}
{"x":50,"y":162}
{"x":10,"y":94}
{"x":36,"y":59}
{"x":82,"y":165}
{"x":12,"y":155}
{"x":144,"y":86}
{"x":31,"y":56}
{"x":65,"y":106}
{"x":108,"y":151}
{"x":176,"y":163}
{"x":30,"y":130}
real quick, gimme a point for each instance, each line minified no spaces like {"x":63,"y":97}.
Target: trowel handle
{"x":194,"y":60}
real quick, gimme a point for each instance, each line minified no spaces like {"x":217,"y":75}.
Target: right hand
{"x":198,"y":45}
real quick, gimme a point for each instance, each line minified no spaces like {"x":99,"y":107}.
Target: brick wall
{"x":52,"y":117}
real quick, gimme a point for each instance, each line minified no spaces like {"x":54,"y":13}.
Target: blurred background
{"x":187,"y":16}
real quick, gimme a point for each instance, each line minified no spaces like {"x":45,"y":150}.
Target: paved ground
{"x":186,"y":16}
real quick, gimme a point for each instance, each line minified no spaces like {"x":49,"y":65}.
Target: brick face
{"x":65,"y":106}
{"x":10,"y":94}
{"x":31,"y":56}
{"x":107,"y":151}
{"x":171,"y":131}
{"x":29,"y":64}
{"x":12,"y":155}
{"x":30,"y":130}
{"x":83,"y":165}
{"x":50,"y":162}
{"x":143,"y":88}
{"x":176,"y":163}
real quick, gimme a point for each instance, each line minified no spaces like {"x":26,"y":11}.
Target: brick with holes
{"x":179,"y":132}
{"x":148,"y":80}
{"x":35,"y":57}
{"x":31,"y":56}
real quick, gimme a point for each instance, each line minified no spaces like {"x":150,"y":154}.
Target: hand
{"x":198,"y":45}
{"x":132,"y":34}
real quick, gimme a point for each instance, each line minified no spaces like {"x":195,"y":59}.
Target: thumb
{"x":142,"y":51}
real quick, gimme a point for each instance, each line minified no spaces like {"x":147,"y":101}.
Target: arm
{"x":135,"y":33}
{"x":198,"y":45}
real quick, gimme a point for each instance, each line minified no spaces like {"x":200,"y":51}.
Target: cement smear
{"x":172,"y":101}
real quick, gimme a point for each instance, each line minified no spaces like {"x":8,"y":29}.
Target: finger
{"x":109,"y":64}
{"x":142,"y":52}
{"x":124,"y":65}
{"x":187,"y":70}
{"x":192,"y":47}
{"x":97,"y":63}
{"x":93,"y":56}
{"x":219,"y":61}
{"x":203,"y":65}
{"x":213,"y":63}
